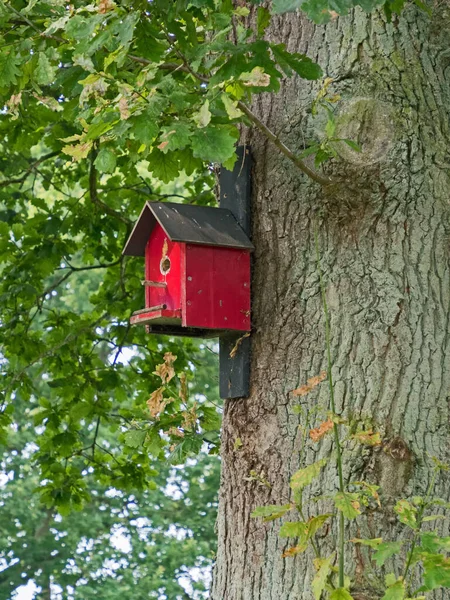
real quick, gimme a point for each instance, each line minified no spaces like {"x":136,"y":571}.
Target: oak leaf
{"x":310,"y":384}
{"x":156,"y":403}
{"x":318,"y":433}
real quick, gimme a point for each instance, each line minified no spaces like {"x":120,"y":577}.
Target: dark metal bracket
{"x":234,"y":352}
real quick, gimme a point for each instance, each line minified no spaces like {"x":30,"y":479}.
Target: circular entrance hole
{"x":165,"y":265}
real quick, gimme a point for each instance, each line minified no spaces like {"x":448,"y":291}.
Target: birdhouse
{"x":197,"y":269}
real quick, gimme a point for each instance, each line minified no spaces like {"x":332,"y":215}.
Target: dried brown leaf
{"x":176,"y":432}
{"x":310,"y":384}
{"x":105,"y":6}
{"x":318,"y":433}
{"x":123,"y":108}
{"x":156,"y":403}
{"x":293,"y":551}
{"x":237,"y":344}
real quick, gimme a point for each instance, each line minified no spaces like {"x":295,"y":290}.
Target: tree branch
{"x":24,"y":19}
{"x":282,"y":147}
{"x":317,"y":177}
{"x":32,"y":167}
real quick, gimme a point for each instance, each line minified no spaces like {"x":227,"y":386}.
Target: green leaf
{"x":309,"y":150}
{"x":396,"y":591}
{"x":373,"y":543}
{"x":340,"y":594}
{"x":385,"y":550}
{"x":320,"y":578}
{"x":293,"y":529}
{"x":433,"y":518}
{"x":436,"y":571}
{"x":45,"y":72}
{"x":95,"y":130}
{"x":353,"y":145}
{"x":106,"y":161}
{"x":301,"y":64}
{"x":135,"y":437}
{"x":214,"y":143}
{"x":9,"y":70}
{"x":272,"y":511}
{"x":315,"y":523}
{"x":431,"y":542}
{"x":304,"y":477}
{"x":144,"y":128}
{"x":330,"y":127}
{"x":262,"y":20}
{"x":406,"y":513}
{"x":164,"y":167}
{"x":348,"y":504}
{"x":175,"y":136}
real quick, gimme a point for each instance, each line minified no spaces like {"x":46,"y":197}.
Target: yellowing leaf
{"x":303,"y":477}
{"x":294,"y":550}
{"x":49,"y":102}
{"x":348,"y":504}
{"x":320,"y":578}
{"x":340,"y":594}
{"x":256,"y":78}
{"x":368,"y":438}
{"x":406,"y":513}
{"x":237,"y":444}
{"x":78,"y":151}
{"x":231,"y":107}
{"x":272,"y":511}
{"x":203,"y":116}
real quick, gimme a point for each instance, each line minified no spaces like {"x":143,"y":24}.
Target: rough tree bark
{"x":384,"y":243}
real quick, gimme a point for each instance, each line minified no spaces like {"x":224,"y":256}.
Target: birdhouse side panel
{"x":217,"y":292}
{"x":162,"y":271}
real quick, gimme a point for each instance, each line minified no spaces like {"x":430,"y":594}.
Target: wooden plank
{"x":149,"y":309}
{"x":235,"y":195}
{"x":157,"y":284}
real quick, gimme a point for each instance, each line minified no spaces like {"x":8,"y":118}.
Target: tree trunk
{"x":384,"y":247}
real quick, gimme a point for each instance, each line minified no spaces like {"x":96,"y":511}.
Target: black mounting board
{"x":235,"y":195}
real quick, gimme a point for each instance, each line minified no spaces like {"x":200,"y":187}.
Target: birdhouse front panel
{"x":216,"y":294}
{"x":162,"y":266}
{"x":162,"y":281}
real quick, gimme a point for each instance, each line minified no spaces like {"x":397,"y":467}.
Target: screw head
{"x":189,"y":302}
{"x":189,"y":278}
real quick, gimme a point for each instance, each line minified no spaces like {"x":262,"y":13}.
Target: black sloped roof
{"x":187,"y":223}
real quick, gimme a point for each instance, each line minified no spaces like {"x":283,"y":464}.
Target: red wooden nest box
{"x":197,"y":269}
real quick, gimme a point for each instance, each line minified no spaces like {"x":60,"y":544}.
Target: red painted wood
{"x":170,"y":295}
{"x":217,"y":293}
{"x":157,"y":316}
